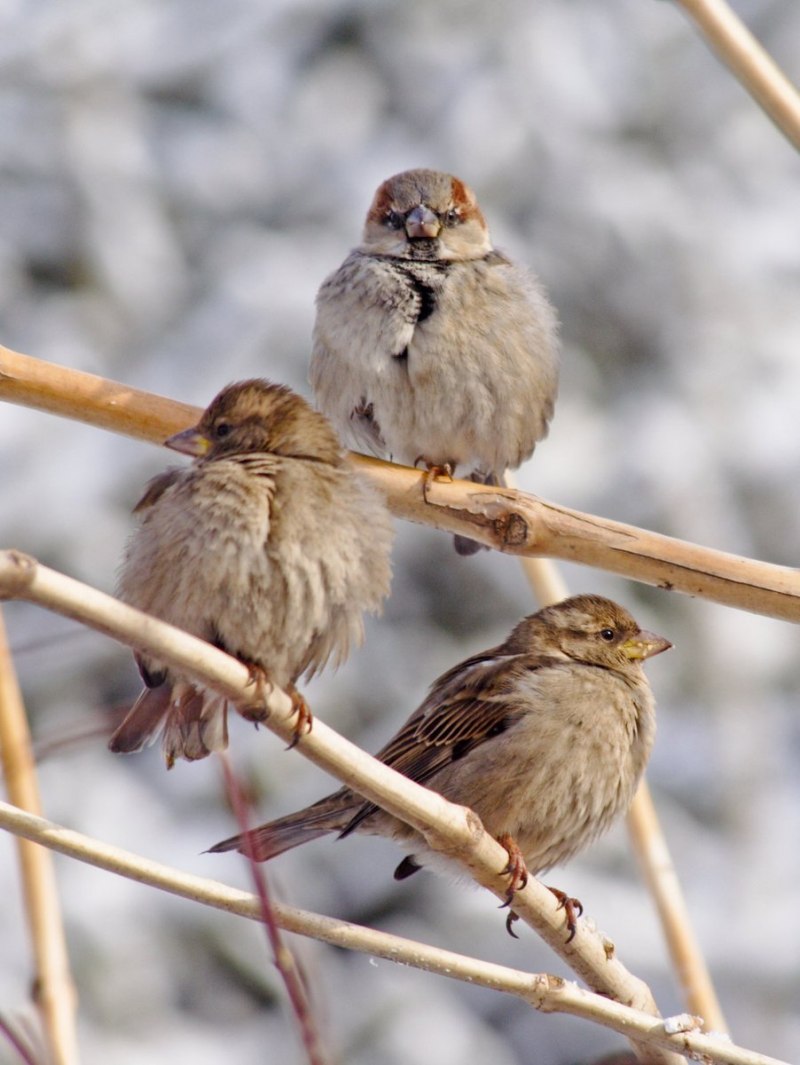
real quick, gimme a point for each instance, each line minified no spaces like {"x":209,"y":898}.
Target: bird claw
{"x":573,"y":909}
{"x":434,"y":472}
{"x":260,"y":679}
{"x":305,"y":719}
{"x":515,"y":869}
{"x":510,"y":919}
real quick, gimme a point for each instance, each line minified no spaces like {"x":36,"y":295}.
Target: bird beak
{"x":645,"y":645}
{"x":422,"y":223}
{"x":190,"y":442}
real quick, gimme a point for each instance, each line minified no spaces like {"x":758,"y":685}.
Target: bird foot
{"x":517,"y":872}
{"x":434,"y":472}
{"x":260,"y":679}
{"x":573,"y":908}
{"x":305,"y":719}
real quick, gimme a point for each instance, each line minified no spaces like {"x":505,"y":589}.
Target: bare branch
{"x":549,"y":994}
{"x":662,"y":880}
{"x":507,"y":520}
{"x":55,"y":996}
{"x":749,"y":62}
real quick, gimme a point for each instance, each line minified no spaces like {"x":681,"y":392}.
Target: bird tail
{"x":195,"y":722}
{"x":328,"y":815}
{"x":143,"y":722}
{"x":463,"y":545}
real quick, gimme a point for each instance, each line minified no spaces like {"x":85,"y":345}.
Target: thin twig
{"x":544,"y":992}
{"x":501,"y":518}
{"x":55,"y":991}
{"x":453,"y":830}
{"x":281,"y":954}
{"x":749,"y":62}
{"x":26,"y":1054}
{"x":659,"y":871}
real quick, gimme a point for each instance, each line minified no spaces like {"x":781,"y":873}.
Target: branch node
{"x":17,"y":571}
{"x":511,"y":529}
{"x":544,"y":988}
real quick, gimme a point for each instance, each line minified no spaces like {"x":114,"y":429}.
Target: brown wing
{"x":466,"y":707}
{"x":157,"y":487}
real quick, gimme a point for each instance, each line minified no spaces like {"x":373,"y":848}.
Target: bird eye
{"x":222,"y":429}
{"x":452,"y":217}
{"x":607,"y":635}
{"x":394,"y":220}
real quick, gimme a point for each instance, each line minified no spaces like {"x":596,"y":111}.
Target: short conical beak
{"x":645,"y":645}
{"x":190,"y":442}
{"x":422,"y":223}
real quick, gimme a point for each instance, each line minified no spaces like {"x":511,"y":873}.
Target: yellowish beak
{"x":190,"y":442}
{"x":645,"y":645}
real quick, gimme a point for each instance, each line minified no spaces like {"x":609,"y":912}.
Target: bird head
{"x":426,"y":214}
{"x":259,"y":416}
{"x":589,"y":629}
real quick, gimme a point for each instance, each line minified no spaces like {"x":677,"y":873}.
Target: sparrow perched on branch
{"x":270,"y":546}
{"x":545,"y":737}
{"x":430,"y":345}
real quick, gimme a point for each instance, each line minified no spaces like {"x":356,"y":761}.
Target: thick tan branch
{"x":548,"y":993}
{"x":452,"y":830}
{"x":508,"y":520}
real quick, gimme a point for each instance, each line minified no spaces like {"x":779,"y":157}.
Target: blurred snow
{"x":175,"y":181}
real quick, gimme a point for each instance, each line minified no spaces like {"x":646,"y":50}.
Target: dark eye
{"x":222,"y":429}
{"x":394,"y":220}
{"x":607,"y":635}
{"x":452,"y":218}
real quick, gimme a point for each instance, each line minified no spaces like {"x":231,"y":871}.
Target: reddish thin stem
{"x":281,"y":954}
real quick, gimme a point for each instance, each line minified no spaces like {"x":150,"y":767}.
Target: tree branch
{"x":749,"y":62}
{"x":510,"y":521}
{"x":55,"y":995}
{"x":547,"y":993}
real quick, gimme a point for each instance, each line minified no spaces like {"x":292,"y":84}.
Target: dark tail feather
{"x":463,"y":545}
{"x":194,"y":722}
{"x":274,"y":838}
{"x":143,"y":722}
{"x":197,"y":724}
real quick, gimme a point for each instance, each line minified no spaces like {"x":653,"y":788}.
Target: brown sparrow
{"x":270,"y":546}
{"x":430,"y":345}
{"x":545,"y":737}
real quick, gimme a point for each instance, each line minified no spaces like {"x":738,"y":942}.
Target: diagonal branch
{"x":452,"y":830}
{"x":750,"y":63}
{"x":550,"y":994}
{"x":508,"y":520}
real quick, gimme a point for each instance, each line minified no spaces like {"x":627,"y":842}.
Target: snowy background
{"x":175,"y":181}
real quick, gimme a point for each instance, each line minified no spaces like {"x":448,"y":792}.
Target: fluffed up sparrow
{"x":270,"y":546}
{"x":545,"y":737}
{"x":429,"y":344}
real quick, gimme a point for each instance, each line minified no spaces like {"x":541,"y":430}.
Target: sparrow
{"x":545,"y":737}
{"x":270,"y":547}
{"x":429,"y":345}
